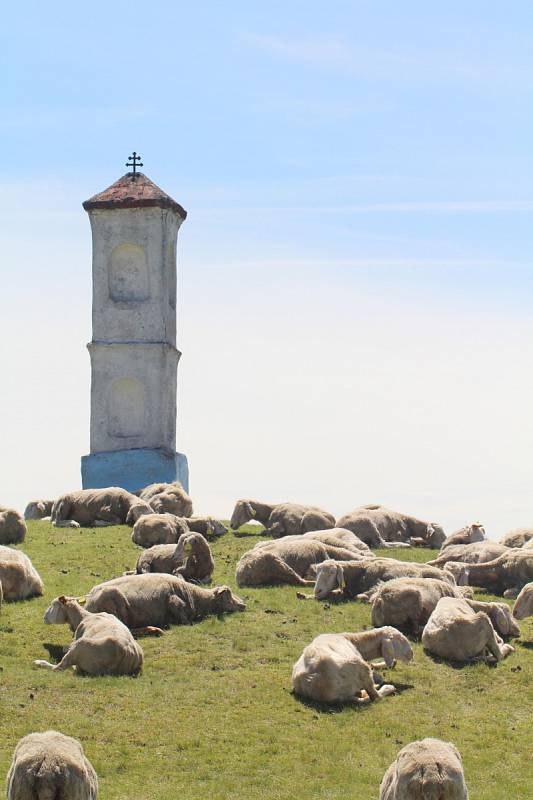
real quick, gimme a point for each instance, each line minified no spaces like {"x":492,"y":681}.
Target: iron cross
{"x":134,"y":161}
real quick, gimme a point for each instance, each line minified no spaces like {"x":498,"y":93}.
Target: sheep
{"x":463,"y":630}
{"x":18,"y":577}
{"x":407,"y":603}
{"x":338,"y":579}
{"x":152,"y":529}
{"x":505,"y":575}
{"x":50,"y":765}
{"x":170,"y":498}
{"x":467,"y":535}
{"x":475,"y":553}
{"x":335,"y":667}
{"x":379,"y":527}
{"x":523,"y":606}
{"x":98,"y":507}
{"x":156,"y":600}
{"x":517,"y":538}
{"x":12,"y":526}
{"x":191,"y":558}
{"x":207,"y":526}
{"x":340,"y":537}
{"x":38,"y":509}
{"x":430,"y":769}
{"x":287,"y":560}
{"x":284,"y":519}
{"x":528,"y":545}
{"x":102,"y":644}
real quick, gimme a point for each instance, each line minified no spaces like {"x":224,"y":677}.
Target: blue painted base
{"x":133,"y":469}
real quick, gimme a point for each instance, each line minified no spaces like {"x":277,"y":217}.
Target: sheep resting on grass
{"x":152,"y":529}
{"x":348,"y":579}
{"x":38,"y":509}
{"x":523,"y":606}
{"x":467,"y":535}
{"x":98,"y":508}
{"x":156,"y":600}
{"x":426,"y":770}
{"x":167,"y":498}
{"x":18,"y":576}
{"x":288,"y":560}
{"x":463,"y":630}
{"x":102,"y":644}
{"x":505,"y":575}
{"x":340,"y":537}
{"x":475,"y":553}
{"x":335,"y":667}
{"x":12,"y":526}
{"x":407,"y":603}
{"x":284,"y":519}
{"x":191,"y":558}
{"x":517,"y":538}
{"x":379,"y":527}
{"x":50,"y":766}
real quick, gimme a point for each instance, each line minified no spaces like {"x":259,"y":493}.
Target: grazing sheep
{"x":426,"y":770}
{"x":379,"y":527}
{"x":475,"y":553}
{"x":407,"y":603}
{"x":467,"y":535}
{"x":98,"y":507}
{"x":462,"y":630}
{"x":102,"y":644}
{"x":207,"y":526}
{"x":167,"y":498}
{"x":38,"y":509}
{"x":191,"y":558}
{"x":151,"y":529}
{"x":155,"y":599}
{"x":517,"y":538}
{"x":50,"y":766}
{"x":523,"y":606}
{"x":505,"y":575}
{"x":287,"y":560}
{"x":284,"y":519}
{"x":335,"y":667}
{"x":351,"y":578}
{"x":18,"y":576}
{"x":12,"y":526}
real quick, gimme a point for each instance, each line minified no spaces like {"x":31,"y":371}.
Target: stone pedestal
{"x":134,"y":469}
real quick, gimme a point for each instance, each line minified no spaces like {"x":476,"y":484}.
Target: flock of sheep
{"x":308,"y":548}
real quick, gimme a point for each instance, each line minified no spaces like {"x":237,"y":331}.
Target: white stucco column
{"x":133,"y":352}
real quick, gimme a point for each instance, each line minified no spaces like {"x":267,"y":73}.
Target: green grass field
{"x":212,"y":714}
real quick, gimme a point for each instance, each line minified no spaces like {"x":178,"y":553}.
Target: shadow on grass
{"x":338,"y":708}
{"x":461,"y":664}
{"x":526,"y":645}
{"x":55,"y":651}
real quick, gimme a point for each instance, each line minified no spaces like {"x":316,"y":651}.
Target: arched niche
{"x":128,"y":274}
{"x":126,"y":408}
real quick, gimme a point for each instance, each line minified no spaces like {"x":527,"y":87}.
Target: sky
{"x":355,"y":288}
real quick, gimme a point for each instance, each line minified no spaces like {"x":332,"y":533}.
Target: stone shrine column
{"x":133,"y":352}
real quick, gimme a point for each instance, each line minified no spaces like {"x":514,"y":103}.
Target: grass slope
{"x":212,"y":714}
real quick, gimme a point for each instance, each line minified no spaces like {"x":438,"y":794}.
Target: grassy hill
{"x":212,"y":714}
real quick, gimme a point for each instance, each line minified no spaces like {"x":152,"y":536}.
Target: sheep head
{"x":395,"y":647}
{"x":225,"y":600}
{"x":242,"y":513}
{"x":502,"y":620}
{"x":56,"y":613}
{"x":137,"y":511}
{"x":329,"y":576}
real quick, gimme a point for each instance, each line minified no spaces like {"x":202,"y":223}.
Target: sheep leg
{"x":367,"y":683}
{"x":285,"y":574}
{"x":512,"y":593}
{"x":147,"y":630}
{"x":106,"y":523}
{"x":177,"y":611}
{"x":70,"y":659}
{"x":493,"y":642}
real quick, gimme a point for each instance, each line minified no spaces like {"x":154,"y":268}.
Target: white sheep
{"x":335,"y":667}
{"x":380,"y":527}
{"x":467,"y":535}
{"x":102,"y":644}
{"x":475,"y":553}
{"x":462,"y":630}
{"x":282,"y":519}
{"x":19,"y":578}
{"x":12,"y":526}
{"x":38,"y":509}
{"x":50,"y":766}
{"x":153,"y":529}
{"x":523,"y":606}
{"x":425,"y":770}
{"x":168,"y":498}
{"x":505,"y":575}
{"x":98,"y":508}
{"x":517,"y":538}
{"x":191,"y":558}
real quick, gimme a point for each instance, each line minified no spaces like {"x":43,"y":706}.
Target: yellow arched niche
{"x":128,"y":274}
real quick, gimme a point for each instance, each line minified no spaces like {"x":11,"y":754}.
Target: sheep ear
{"x":340,"y":577}
{"x":387,"y":651}
{"x":62,"y":599}
{"x":222,"y":591}
{"x":501,"y":620}
{"x":249,"y":510}
{"x":210,"y":529}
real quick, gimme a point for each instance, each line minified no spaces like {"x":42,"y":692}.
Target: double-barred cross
{"x":134,"y":161}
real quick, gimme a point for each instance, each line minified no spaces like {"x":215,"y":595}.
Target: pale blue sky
{"x":356,"y":288}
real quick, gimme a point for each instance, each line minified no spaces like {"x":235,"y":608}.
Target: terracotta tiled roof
{"x":133,"y":192}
